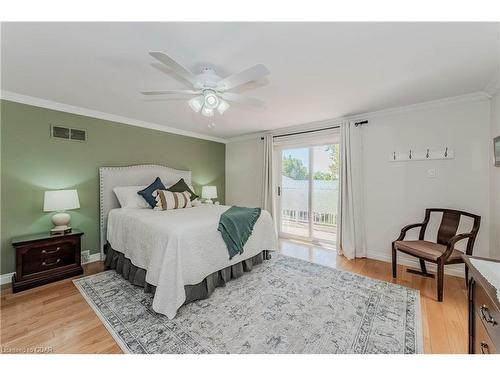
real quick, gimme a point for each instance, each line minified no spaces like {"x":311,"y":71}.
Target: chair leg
{"x":440,"y":280}
{"x":466,"y":276}
{"x":422,"y":266}
{"x":394,"y":262}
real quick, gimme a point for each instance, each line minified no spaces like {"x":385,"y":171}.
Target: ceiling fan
{"x":211,"y":91}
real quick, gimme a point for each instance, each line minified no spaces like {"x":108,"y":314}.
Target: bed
{"x":177,"y":254}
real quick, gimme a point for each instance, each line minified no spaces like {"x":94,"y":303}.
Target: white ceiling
{"x":318,"y":70}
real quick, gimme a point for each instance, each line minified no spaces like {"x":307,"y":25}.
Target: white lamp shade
{"x":223,"y":106}
{"x":196,"y":103}
{"x":207,"y":112}
{"x":209,"y":192}
{"x":60,"y":200}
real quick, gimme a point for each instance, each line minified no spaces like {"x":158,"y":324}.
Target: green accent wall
{"x":32,"y":162}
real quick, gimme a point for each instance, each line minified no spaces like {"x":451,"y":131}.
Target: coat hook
{"x":427,"y":154}
{"x":410,"y":154}
{"x":446,"y":152}
{"x":394,"y":155}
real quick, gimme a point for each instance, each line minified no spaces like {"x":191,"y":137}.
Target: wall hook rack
{"x":443,"y":154}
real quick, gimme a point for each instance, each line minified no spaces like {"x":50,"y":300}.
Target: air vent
{"x":60,"y":132}
{"x":78,"y":135}
{"x":68,"y":133}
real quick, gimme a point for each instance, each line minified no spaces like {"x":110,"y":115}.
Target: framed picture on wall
{"x":496,"y":146}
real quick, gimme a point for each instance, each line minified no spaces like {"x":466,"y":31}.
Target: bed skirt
{"x":137,"y":276}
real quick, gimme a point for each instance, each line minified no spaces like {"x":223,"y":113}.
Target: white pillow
{"x":128,"y":197}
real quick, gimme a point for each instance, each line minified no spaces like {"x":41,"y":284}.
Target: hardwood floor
{"x":53,"y":318}
{"x":56,"y":319}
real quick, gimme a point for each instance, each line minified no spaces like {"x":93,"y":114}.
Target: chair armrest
{"x":407,"y":228}
{"x":452,"y":241}
{"x":459,"y":237}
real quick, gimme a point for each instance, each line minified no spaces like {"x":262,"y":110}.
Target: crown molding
{"x":49,"y":104}
{"x":472,"y":97}
{"x":493,"y":85}
{"x":246,"y":137}
{"x":489,"y":91}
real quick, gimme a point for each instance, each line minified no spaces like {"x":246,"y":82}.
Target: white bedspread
{"x":180,"y":247}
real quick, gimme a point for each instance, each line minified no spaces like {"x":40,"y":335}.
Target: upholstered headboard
{"x":111,"y":177}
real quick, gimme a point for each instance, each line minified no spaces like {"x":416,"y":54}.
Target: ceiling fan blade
{"x":167,"y":92}
{"x":165,"y":69}
{"x":237,"y":98}
{"x":248,"y":75}
{"x":174,"y":65}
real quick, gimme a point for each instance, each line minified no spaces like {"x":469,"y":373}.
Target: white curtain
{"x":351,"y":240}
{"x":268,"y":196}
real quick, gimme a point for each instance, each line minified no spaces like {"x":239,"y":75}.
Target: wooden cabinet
{"x":484,"y":312}
{"x":43,"y":258}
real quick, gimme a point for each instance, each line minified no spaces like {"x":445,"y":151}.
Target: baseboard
{"x":93,"y":258}
{"x":7,"y":277}
{"x":452,"y":269}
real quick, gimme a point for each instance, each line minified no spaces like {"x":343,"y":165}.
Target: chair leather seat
{"x":426,"y":249}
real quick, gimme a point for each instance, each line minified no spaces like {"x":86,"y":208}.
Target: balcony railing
{"x":329,"y":219}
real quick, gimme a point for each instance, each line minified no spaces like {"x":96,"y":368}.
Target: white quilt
{"x":180,"y":247}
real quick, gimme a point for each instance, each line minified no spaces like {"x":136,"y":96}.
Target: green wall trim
{"x":32,"y":162}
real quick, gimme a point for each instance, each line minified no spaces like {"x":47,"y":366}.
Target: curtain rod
{"x":316,"y":130}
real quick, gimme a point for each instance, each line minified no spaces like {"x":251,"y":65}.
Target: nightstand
{"x":43,"y":258}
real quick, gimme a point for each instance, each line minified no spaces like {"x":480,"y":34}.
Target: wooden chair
{"x":443,"y":251}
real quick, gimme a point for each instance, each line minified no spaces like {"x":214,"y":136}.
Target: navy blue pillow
{"x":147,"y":193}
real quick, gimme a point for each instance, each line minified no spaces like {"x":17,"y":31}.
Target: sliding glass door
{"x":308,"y":192}
{"x":294,"y":192}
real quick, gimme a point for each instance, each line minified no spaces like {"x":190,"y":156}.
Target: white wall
{"x":397,"y":193}
{"x":244,"y":162}
{"x":495,"y":180}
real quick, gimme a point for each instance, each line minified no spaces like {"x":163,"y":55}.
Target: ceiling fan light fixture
{"x":207,"y":112}
{"x":210,"y":92}
{"x":196,"y":104}
{"x":211,"y":100}
{"x":222,"y":107}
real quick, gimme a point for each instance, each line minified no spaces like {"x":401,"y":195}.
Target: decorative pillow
{"x":181,"y":186}
{"x":169,"y":200}
{"x":128,"y":197}
{"x":147,"y":193}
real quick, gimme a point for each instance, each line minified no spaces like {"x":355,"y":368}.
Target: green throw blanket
{"x":236,"y":226}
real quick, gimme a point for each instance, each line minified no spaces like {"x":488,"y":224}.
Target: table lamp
{"x":209,"y":192}
{"x":60,"y":201}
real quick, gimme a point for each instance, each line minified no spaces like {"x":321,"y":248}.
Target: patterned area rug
{"x":284,"y":305}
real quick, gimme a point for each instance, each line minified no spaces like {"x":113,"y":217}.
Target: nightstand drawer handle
{"x":485,"y":314}
{"x":484,"y":348}
{"x":51,"y":252}
{"x":51,"y":264}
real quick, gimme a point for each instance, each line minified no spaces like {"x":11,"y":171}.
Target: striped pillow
{"x":168,"y":200}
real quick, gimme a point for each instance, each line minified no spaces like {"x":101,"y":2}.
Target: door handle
{"x":279,"y":191}
{"x":484,"y":348}
{"x":485,"y":314}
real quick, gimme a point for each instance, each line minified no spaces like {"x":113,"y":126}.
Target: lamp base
{"x":61,"y":221}
{"x":208,"y":201}
{"x":58,"y":231}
